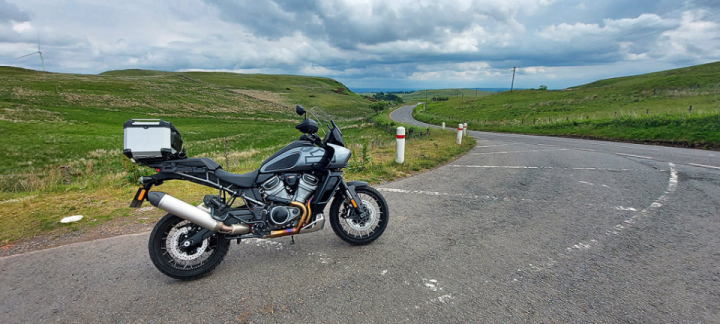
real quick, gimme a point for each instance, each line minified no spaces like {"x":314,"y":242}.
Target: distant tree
{"x":542,"y":88}
{"x":379,"y":106}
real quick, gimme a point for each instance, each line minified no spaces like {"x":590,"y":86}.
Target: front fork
{"x":357,"y":206}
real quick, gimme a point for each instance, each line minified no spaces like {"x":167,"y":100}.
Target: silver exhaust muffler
{"x":193,"y":214}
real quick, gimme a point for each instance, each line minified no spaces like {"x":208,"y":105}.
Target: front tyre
{"x":178,"y":262}
{"x":364,"y":228}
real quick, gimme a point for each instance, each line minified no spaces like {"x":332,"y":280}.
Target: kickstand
{"x":292,"y":237}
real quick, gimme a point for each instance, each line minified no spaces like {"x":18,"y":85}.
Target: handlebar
{"x":312,"y":138}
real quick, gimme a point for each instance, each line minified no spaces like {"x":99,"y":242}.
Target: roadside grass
{"x":31,"y":214}
{"x":653,"y":107}
{"x":61,"y":153}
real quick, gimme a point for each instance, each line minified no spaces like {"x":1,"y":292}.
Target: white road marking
{"x":497,"y":166}
{"x":625,"y":208}
{"x":636,"y":156}
{"x":430,"y":284}
{"x":512,"y":152}
{"x":547,"y":145}
{"x":704,"y":166}
{"x":481,"y":146}
{"x":444,"y":298}
{"x":617,"y":229}
{"x":548,"y":168}
{"x":585,"y":182}
{"x":435,"y":193}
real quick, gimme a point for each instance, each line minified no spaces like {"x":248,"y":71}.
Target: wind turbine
{"x":38,"y":52}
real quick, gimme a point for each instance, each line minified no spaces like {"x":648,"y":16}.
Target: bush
{"x":379,"y":106}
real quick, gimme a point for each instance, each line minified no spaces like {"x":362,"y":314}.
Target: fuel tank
{"x":298,"y":156}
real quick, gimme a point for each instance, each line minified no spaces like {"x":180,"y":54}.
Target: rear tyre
{"x":177,"y":262}
{"x":360,"y":229}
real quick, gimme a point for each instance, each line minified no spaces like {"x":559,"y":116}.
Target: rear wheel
{"x":360,"y":229}
{"x":176,"y":261}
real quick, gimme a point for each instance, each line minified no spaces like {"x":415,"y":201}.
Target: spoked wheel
{"x":360,"y":229}
{"x":176,"y":261}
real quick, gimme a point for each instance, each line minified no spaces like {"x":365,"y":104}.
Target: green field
{"x":63,"y":137}
{"x":652,"y":107}
{"x":59,"y":119}
{"x":461,"y":94}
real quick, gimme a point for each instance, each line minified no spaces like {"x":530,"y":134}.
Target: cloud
{"x":428,"y":43}
{"x":10,"y":12}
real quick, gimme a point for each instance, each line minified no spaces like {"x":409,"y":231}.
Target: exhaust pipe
{"x":193,"y":214}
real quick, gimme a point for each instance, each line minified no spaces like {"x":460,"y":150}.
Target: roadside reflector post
{"x":400,"y":138}
{"x":459,"y":134}
{"x":443,"y":126}
{"x":464,"y":129}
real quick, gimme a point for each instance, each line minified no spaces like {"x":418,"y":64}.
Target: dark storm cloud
{"x":346,"y":24}
{"x":399,"y":41}
{"x":9,"y":11}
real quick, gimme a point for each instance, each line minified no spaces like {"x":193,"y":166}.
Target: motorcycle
{"x":286,"y":196}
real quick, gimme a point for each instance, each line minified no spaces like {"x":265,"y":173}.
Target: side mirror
{"x":300,"y":110}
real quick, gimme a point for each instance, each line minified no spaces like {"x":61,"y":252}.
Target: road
{"x":521,"y":229}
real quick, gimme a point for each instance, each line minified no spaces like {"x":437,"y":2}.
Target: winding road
{"x":521,"y":229}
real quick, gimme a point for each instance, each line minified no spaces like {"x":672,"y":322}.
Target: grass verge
{"x":34,"y":213}
{"x":676,"y":107}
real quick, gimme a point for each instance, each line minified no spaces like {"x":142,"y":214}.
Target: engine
{"x":293,"y":186}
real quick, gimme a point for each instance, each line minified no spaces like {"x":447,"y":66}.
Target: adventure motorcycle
{"x":285,"y":196}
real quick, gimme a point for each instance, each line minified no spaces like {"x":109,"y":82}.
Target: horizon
{"x":370,"y":44}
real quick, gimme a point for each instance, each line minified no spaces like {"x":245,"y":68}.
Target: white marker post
{"x":443,"y":127}
{"x":400,"y":158}
{"x":460,"y":132}
{"x":464,"y":129}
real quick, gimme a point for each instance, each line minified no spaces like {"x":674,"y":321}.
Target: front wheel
{"x":176,"y":261}
{"x":359,"y":229}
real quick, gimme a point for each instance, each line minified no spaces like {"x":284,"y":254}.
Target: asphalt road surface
{"x":521,"y":229}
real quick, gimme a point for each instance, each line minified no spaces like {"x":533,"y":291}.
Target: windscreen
{"x":322,"y":118}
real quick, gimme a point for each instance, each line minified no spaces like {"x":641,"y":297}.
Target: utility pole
{"x":476,"y":92}
{"x":513,"y":79}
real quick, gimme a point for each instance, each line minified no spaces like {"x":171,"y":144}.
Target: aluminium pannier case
{"x":150,"y":140}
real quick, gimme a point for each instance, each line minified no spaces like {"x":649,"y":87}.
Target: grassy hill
{"x":57,"y":119}
{"x":450,"y":93}
{"x":63,"y":137}
{"x":651,"y":107}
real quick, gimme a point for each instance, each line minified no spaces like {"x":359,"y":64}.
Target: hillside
{"x":63,"y":137}
{"x":459,"y":93}
{"x":640,"y":108}
{"x":60,"y":119}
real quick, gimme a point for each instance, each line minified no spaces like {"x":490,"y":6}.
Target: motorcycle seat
{"x":194,"y":163}
{"x":245,"y":180}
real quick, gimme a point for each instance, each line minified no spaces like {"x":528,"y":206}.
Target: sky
{"x":398,"y":44}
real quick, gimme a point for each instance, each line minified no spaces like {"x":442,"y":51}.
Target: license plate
{"x":139,"y":198}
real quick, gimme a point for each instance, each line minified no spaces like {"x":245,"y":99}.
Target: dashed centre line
{"x":546,"y":168}
{"x":511,"y":152}
{"x":704,"y":166}
{"x":435,"y":193}
{"x":636,"y":156}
